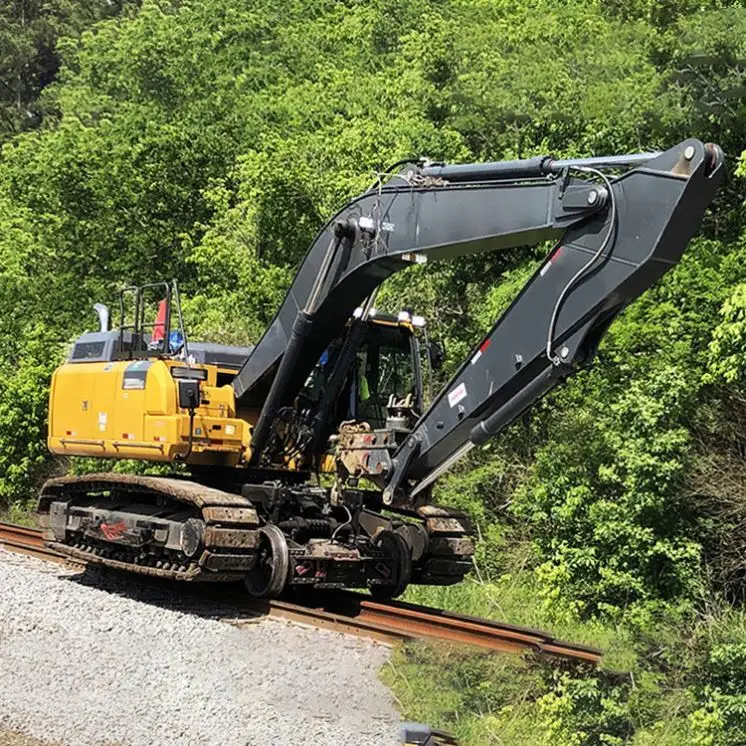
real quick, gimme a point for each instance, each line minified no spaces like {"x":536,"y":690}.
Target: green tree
{"x":29,"y":30}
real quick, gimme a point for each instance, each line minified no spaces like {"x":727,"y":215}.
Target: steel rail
{"x":23,"y":540}
{"x":354,"y":613}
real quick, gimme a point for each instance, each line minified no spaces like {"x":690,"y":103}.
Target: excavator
{"x":309,"y":460}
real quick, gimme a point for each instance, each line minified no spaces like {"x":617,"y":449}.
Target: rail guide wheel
{"x":395,"y":547}
{"x":268,"y":577}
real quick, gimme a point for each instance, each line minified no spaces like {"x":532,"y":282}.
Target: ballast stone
{"x":85,"y":666}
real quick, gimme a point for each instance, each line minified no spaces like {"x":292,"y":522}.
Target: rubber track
{"x":180,"y":490}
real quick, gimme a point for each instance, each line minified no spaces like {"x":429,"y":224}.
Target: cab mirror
{"x":437,"y":354}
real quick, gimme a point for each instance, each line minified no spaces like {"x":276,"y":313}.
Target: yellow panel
{"x":129,"y":401}
{"x":129,"y":409}
{"x":73,"y":418}
{"x":161,"y":390}
{"x":105,"y":381}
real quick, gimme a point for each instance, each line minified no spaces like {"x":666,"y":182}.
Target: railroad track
{"x":23,"y":540}
{"x":356,"y":613}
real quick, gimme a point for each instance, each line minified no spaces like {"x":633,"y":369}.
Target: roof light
{"x":404,"y":316}
{"x":418,"y":321}
{"x":357,"y":313}
{"x":373,"y":312}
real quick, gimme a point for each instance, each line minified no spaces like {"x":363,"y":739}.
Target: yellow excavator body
{"x":129,"y":409}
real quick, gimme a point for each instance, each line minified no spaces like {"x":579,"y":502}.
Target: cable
{"x":185,"y":456}
{"x":554,"y":359}
{"x":342,"y":525}
{"x":389,"y":169}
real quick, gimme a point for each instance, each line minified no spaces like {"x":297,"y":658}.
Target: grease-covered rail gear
{"x":334,"y":387}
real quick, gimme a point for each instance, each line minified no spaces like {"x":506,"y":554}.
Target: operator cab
{"x":387,"y":370}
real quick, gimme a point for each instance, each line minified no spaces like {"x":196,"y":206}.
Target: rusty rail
{"x":23,"y":540}
{"x":410,"y":621}
{"x":356,"y":613}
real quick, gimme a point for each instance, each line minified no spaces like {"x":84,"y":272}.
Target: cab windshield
{"x":384,"y":369}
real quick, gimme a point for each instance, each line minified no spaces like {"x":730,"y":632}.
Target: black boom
{"x":616,"y":236}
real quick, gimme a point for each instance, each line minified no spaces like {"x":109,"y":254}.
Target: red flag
{"x":159,"y":328}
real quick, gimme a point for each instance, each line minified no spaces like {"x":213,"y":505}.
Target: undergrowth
{"x":22,"y":513}
{"x":677,"y":682}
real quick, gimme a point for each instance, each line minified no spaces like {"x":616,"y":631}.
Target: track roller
{"x":449,"y":548}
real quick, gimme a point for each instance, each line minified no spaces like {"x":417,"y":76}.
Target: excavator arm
{"x":556,"y":323}
{"x":616,"y":236}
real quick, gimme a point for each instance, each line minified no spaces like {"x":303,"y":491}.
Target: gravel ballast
{"x":94,"y":659}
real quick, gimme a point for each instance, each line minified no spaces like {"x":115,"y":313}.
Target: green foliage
{"x":29,"y":31}
{"x":605,"y":496}
{"x":208,"y":140}
{"x":482,"y":699}
{"x":728,"y":346}
{"x":23,"y":398}
{"x":578,"y":712}
{"x":683,"y":685}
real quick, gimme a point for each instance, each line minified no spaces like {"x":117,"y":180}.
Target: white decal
{"x":133,"y":384}
{"x":102,"y":417}
{"x":457,"y":395}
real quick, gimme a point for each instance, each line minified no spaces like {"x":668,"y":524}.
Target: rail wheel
{"x":268,"y":577}
{"x":395,"y":547}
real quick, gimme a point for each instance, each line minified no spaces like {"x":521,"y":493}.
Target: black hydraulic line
{"x":490,"y":426}
{"x":333,"y":389}
{"x":587,"y":267}
{"x":531,"y":168}
{"x":190,"y":444}
{"x":603,"y":161}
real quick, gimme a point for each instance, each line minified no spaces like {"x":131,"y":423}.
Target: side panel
{"x":72,"y":407}
{"x":130,"y":409}
{"x":129,"y":402}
